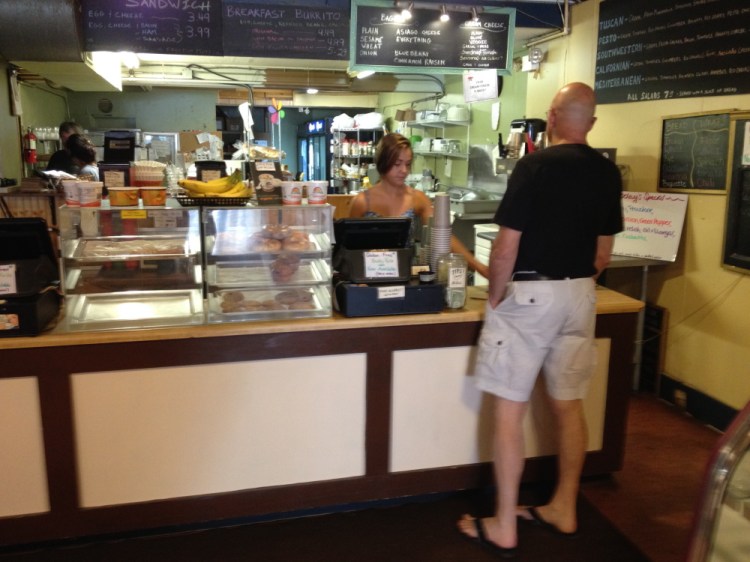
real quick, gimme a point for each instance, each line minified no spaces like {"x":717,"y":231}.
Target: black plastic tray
{"x":213,"y":201}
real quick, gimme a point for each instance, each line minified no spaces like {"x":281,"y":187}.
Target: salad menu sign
{"x":381,"y":39}
{"x":185,"y":27}
{"x":672,"y":49}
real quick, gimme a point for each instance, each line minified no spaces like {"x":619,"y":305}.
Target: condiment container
{"x":123,"y":196}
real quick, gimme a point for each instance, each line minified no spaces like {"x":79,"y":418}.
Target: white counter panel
{"x":440,"y":419}
{"x":23,"y":475}
{"x":162,"y":433}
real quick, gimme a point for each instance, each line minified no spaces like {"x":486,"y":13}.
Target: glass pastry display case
{"x":131,"y":268}
{"x":268,"y":262}
{"x":721,"y":526}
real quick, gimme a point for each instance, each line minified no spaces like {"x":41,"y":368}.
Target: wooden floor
{"x":652,"y":500}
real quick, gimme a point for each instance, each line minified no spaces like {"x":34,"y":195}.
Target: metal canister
{"x":451,"y":271}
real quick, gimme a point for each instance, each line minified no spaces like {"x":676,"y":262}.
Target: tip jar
{"x":451,"y":271}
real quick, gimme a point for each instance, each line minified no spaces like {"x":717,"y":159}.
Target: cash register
{"x":372,"y":260}
{"x":29,"y":277}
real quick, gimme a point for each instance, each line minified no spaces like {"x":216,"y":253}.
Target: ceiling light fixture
{"x":406,"y":12}
{"x":130,"y":60}
{"x":312,"y":90}
{"x":444,"y":16}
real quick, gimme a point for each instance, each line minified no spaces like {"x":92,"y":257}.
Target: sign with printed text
{"x":653,"y":225}
{"x":381,"y":264}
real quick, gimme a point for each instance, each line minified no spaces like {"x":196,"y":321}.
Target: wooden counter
{"x":608,"y":302}
{"x":107,"y":432}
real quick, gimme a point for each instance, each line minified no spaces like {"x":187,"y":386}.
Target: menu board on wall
{"x":186,"y":27}
{"x":653,"y":225}
{"x":285,"y":31}
{"x":694,"y":152}
{"x":672,"y":49}
{"x":382,"y":40}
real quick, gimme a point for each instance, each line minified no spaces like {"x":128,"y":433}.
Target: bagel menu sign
{"x":672,"y":49}
{"x":382,"y":40}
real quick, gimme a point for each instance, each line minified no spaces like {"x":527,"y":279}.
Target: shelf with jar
{"x":438,"y":128}
{"x":268,"y":263}
{"x":353,"y":150}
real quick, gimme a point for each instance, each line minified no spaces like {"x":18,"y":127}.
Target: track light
{"x":406,"y":12}
{"x":474,"y":15}
{"x":444,"y":14}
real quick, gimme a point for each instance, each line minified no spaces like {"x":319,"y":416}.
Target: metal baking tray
{"x":109,"y":248}
{"x":257,"y":273}
{"x":320,"y":301}
{"x":237,"y":244}
{"x":134,"y":309}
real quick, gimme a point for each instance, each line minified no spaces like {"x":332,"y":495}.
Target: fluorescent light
{"x":444,"y":16}
{"x":130,"y":60}
{"x":364,"y":74}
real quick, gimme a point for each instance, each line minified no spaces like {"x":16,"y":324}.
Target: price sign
{"x":187,"y":27}
{"x":381,"y":264}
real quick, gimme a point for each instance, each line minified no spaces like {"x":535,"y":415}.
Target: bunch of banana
{"x":228,"y":186}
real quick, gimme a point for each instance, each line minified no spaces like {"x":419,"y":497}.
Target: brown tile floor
{"x":652,"y":500}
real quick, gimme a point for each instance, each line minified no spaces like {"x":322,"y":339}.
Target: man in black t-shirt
{"x":62,"y":160}
{"x":557,"y":223}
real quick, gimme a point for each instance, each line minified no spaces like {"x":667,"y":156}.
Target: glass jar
{"x":451,"y":272}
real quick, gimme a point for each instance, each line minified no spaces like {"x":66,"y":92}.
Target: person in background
{"x":83,"y":154}
{"x":61,"y":159}
{"x":392,"y":197}
{"x":557,"y":223}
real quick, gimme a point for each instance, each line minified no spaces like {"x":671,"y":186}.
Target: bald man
{"x":557,"y":223}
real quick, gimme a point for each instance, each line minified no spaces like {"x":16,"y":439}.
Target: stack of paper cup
{"x":440,"y":233}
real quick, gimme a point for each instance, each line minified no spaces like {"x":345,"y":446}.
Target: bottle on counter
{"x":451,"y":272}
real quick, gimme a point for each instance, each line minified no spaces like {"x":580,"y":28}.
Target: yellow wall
{"x":708,"y":335}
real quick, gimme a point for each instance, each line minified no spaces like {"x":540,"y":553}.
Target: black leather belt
{"x":524,"y":276}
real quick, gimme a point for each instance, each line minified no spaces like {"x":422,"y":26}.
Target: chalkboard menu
{"x":737,"y":235}
{"x":285,"y":31}
{"x":694,"y":152}
{"x":672,"y":49}
{"x":186,"y":27}
{"x":381,"y":40}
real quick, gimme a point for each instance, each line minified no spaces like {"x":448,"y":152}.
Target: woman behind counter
{"x":84,"y":156}
{"x":391,"y":197}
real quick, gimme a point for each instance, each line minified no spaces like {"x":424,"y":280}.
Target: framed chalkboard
{"x":737,"y":235}
{"x":695,"y":153}
{"x":381,"y":40}
{"x":283,"y":30}
{"x":191,"y":27}
{"x":671,"y":49}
